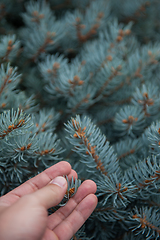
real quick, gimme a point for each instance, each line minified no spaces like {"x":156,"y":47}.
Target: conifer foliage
{"x":79,"y":81}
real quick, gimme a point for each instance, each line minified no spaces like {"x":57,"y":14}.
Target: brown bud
{"x":78,"y":19}
{"x":119,"y":38}
{"x":127,"y":32}
{"x":96,"y":25}
{"x":9,"y":48}
{"x":3,"y":105}
{"x":125,"y":121}
{"x":56,"y":65}
{"x":29,"y":145}
{"x":10,"y":42}
{"x":22,"y":148}
{"x":119,"y":67}
{"x":70,"y":81}
{"x":41,"y":16}
{"x":76,"y":78}
{"x":80,"y":82}
{"x":121,"y":32}
{"x":100,"y":14}
{"x":145,"y":94}
{"x":111,"y":45}
{"x":149,"y":53}
{"x":93,"y":31}
{"x":35,"y":13}
{"x":82,"y":26}
{"x":109,"y":58}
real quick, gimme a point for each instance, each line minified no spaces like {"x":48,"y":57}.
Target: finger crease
{"x":33,"y":186}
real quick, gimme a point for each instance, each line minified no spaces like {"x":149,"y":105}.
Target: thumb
{"x":51,"y":194}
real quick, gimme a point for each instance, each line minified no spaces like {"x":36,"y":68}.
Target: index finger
{"x":37,"y":182}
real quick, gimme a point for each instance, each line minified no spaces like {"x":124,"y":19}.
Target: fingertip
{"x":95,"y":186}
{"x":91,"y":201}
{"x":65,"y":164}
{"x":59,"y":169}
{"x":59,"y":181}
{"x":90,"y":185}
{"x":95,"y":200}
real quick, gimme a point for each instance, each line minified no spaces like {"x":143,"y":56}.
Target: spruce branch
{"x":130,"y":120}
{"x":127,"y":152}
{"x":13,"y":121}
{"x":8,"y":78}
{"x":153,"y":140}
{"x":9,"y":48}
{"x":49,"y":149}
{"x":146,"y":221}
{"x":91,"y":145}
{"x":45,"y":121}
{"x":37,"y":13}
{"x":72,"y":187}
{"x":115,"y":72}
{"x":147,"y":97}
{"x":115,"y":190}
{"x":83,"y":38}
{"x":51,"y":67}
{"x":110,"y":213}
{"x":145,"y":175}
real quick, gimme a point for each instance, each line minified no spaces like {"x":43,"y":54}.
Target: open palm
{"x":23,"y":211}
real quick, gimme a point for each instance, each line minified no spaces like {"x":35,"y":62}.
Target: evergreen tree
{"x":79,"y":81}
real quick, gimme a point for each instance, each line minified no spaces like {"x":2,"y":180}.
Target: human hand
{"x":23,"y":211}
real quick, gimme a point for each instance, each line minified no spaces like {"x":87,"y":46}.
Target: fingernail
{"x":60,"y":181}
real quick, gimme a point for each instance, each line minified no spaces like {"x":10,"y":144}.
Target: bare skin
{"x":23,"y":211}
